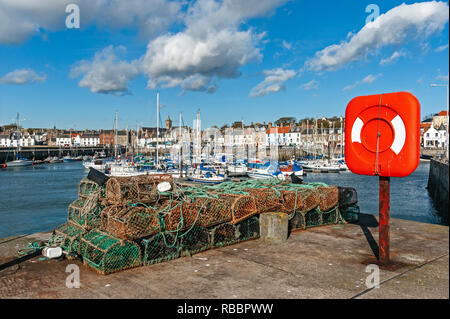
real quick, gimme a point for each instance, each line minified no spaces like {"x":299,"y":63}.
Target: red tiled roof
{"x":280,"y":130}
{"x":442,"y":113}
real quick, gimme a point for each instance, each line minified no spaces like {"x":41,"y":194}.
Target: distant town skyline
{"x":252,"y":60}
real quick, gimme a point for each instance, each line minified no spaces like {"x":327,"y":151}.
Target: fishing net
{"x":131,"y":222}
{"x":87,"y":187}
{"x":86,"y":212}
{"x":328,"y":197}
{"x":112,"y":226}
{"x":224,"y":234}
{"x":178,"y":215}
{"x":266,"y":199}
{"x":248,"y":229}
{"x":243,"y":207}
{"x":215,"y":210}
{"x":195,"y":240}
{"x":315,"y":218}
{"x":142,"y":188}
{"x":160,"y":247}
{"x":68,"y":237}
{"x":107,"y":254}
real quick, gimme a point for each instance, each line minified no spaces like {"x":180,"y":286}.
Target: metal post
{"x":384,"y":212}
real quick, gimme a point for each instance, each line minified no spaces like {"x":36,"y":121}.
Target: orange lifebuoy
{"x":382,"y":135}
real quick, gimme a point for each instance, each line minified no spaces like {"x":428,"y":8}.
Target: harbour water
{"x":35,"y":199}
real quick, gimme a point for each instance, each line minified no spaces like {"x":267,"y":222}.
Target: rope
{"x":378,"y":136}
{"x":31,"y":248}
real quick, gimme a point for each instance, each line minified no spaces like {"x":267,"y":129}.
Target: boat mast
{"x":18,"y":135}
{"x":181,"y":146}
{"x":157,"y":127}
{"x":307,"y":137}
{"x":115,"y":137}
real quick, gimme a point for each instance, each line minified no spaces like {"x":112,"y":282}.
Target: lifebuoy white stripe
{"x":399,"y":134}
{"x":356,"y":130}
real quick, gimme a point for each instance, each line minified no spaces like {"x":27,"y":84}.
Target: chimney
{"x":270,"y":124}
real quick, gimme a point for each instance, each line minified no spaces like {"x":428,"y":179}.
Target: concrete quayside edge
{"x":322,"y":262}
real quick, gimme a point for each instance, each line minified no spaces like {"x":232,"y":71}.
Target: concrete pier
{"x":322,"y":262}
{"x":438,"y":187}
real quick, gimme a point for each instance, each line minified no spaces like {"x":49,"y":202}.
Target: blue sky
{"x":255,"y":62}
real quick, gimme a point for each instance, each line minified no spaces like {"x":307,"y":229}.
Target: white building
{"x":278,"y":135}
{"x":64,"y":140}
{"x":5,"y":140}
{"x":90,"y":140}
{"x":431,"y":138}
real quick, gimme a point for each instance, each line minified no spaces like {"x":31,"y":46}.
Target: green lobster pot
{"x":107,"y":254}
{"x":90,"y":219}
{"x":161,"y":247}
{"x":248,"y":229}
{"x":87,"y":187}
{"x":195,"y":240}
{"x":224,"y":235}
{"x":68,"y":237}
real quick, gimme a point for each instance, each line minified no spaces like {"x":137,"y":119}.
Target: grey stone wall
{"x":438,"y":187}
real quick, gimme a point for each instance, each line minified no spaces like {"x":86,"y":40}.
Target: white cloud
{"x":20,"y":19}
{"x":391,"y":28}
{"x":393,"y":57}
{"x":273,"y":82}
{"x":22,"y":76}
{"x":211,"y":46}
{"x":351,"y":86}
{"x":286,"y":45}
{"x":441,"y":48}
{"x":106,"y":73}
{"x":311,"y":85}
{"x":368,"y":80}
{"x":443,"y":78}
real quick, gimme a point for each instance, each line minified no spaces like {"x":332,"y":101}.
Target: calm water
{"x":35,"y":199}
{"x":409,"y":196}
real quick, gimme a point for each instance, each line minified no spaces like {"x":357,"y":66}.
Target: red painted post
{"x":383,"y":220}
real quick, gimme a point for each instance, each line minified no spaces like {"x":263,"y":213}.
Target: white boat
{"x":122,"y":169}
{"x":258,"y":170}
{"x":19,"y":163}
{"x":206,"y":177}
{"x":237,"y":169}
{"x":288,"y":170}
{"x":96,"y":164}
{"x":321,"y":167}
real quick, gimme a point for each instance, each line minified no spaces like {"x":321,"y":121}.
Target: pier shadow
{"x":366,"y":222}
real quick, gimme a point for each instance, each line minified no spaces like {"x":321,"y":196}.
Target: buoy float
{"x":383,"y":135}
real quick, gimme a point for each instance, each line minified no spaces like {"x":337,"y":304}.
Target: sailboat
{"x":259,"y":170}
{"x":19,"y":160}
